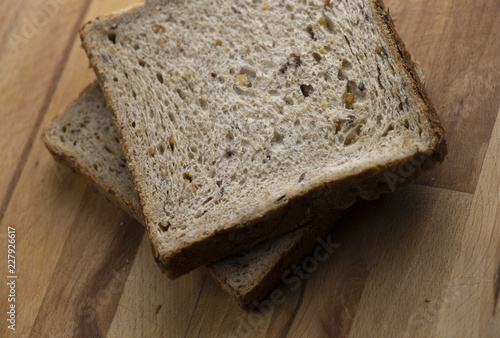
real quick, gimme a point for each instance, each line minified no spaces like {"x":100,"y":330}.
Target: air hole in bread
{"x":346,"y":65}
{"x":316,"y":57}
{"x":142,"y":63}
{"x":203,"y":103}
{"x":157,"y":29}
{"x":161,"y":149}
{"x":228,"y":151}
{"x":329,"y":25}
{"x":351,"y":86}
{"x":107,"y":149}
{"x":160,"y":78}
{"x":307,"y":90}
{"x":256,"y":154}
{"x":295,"y":60}
{"x":288,"y":101}
{"x":181,"y":93}
{"x":245,"y":143}
{"x":341,"y":75}
{"x":208,"y":200}
{"x":187,"y":177}
{"x":172,"y":117}
{"x":238,"y":90}
{"x":136,"y":46}
{"x":379,"y":77}
{"x":388,"y":130}
{"x":353,"y":95}
{"x":200,"y":213}
{"x":250,"y":73}
{"x":277,"y":137}
{"x":112,"y":37}
{"x":211,"y":173}
{"x":171,"y":143}
{"x":268,"y":157}
{"x":310,"y":31}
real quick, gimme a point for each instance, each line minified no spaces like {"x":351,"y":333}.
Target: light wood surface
{"x":421,"y":262}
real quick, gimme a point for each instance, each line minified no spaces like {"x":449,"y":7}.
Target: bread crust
{"x":368,"y":183}
{"x":386,"y":25}
{"x":251,"y":294}
{"x":71,"y":161}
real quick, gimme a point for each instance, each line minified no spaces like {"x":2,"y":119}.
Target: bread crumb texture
{"x":224,"y":107}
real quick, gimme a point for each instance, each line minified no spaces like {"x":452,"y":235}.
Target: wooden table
{"x":420,"y":262}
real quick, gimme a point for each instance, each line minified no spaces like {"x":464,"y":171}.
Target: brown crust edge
{"x":249,"y":297}
{"x":388,"y":29}
{"x":186,"y":259}
{"x":66,"y":159}
{"x":112,"y":107}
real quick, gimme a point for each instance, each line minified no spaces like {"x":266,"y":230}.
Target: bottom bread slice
{"x":84,"y":139}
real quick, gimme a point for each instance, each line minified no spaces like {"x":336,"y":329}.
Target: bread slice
{"x":83,"y":138}
{"x":241,"y":121}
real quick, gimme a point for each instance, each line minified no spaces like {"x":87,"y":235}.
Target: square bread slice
{"x":244,"y":120}
{"x":84,"y":139}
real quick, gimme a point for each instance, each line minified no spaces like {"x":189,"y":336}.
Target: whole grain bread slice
{"x":241,"y":121}
{"x":84,"y":139}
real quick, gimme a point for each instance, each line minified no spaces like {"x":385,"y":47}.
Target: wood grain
{"x":421,"y":262}
{"x":470,"y":306}
{"x":32,"y":62}
{"x":148,"y":289}
{"x":85,"y":305}
{"x":51,"y":194}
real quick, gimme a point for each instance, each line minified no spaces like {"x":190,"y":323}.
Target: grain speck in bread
{"x":240,"y":123}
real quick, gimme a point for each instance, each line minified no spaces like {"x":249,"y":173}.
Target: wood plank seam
{"x":476,"y":271}
{"x":114,"y":266}
{"x":292,"y":317}
{"x":195,"y":305}
{"x":42,"y":112}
